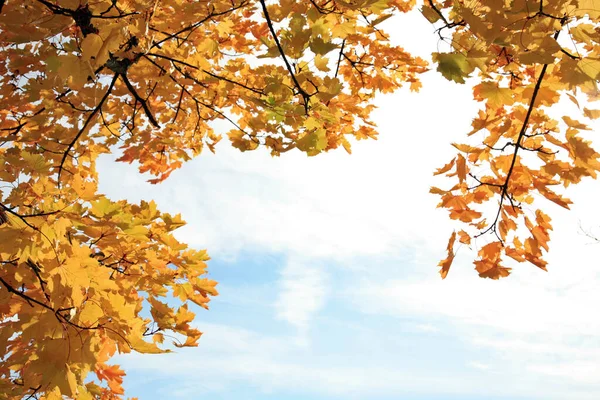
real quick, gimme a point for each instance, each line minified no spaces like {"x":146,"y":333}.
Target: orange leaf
{"x":447,"y":262}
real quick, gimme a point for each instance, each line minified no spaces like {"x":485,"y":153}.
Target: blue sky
{"x":327,"y":277}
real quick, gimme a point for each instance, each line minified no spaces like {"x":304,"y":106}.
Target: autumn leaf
{"x":453,"y":66}
{"x":445,"y":168}
{"x":494,"y":95}
{"x":320,"y":47}
{"x":447,"y":262}
{"x":592,"y":114}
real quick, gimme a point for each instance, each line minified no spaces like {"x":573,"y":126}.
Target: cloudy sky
{"x":328,"y":280}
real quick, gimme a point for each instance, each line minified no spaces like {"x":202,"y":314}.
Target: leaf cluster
{"x":525,"y":57}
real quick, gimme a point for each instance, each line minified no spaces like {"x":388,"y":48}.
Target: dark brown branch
{"x":22,"y":216}
{"x":178,"y":106}
{"x":195,"y":25}
{"x":175,"y":61}
{"x":57,"y":312}
{"x":438,"y":12}
{"x":56,"y":9}
{"x":481,"y":183}
{"x":33,"y":394}
{"x":447,"y":24}
{"x":323,"y":10}
{"x":85,"y":125}
{"x":35,"y":228}
{"x":21,"y":125}
{"x":139,"y":99}
{"x":257,"y":91}
{"x":36,"y":270}
{"x":517,"y":146}
{"x":572,"y":56}
{"x":30,"y":300}
{"x":337,"y":67}
{"x":198,"y":102}
{"x":305,"y":96}
{"x":10,"y":210}
{"x":115,"y":16}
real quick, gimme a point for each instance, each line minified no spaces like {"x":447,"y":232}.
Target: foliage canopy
{"x":83,"y":277}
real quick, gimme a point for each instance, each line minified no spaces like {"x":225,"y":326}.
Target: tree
{"x":84,"y":277}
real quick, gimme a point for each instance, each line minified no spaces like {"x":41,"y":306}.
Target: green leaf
{"x":313,"y":142}
{"x":319,"y":46}
{"x":453,"y":66}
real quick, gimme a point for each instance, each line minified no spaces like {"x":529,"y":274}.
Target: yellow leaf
{"x":321,"y":63}
{"x":590,"y":66}
{"x":574,"y":124}
{"x":90,"y":47}
{"x":494,"y":95}
{"x":591,"y":114}
{"x":138,"y":232}
{"x":208,"y":47}
{"x":141,"y":346}
{"x":430,"y":14}
{"x":71,"y":382}
{"x":103,"y":207}
{"x":73,"y":70}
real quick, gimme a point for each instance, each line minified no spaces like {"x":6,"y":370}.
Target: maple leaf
{"x":447,"y":262}
{"x":113,"y":375}
{"x":453,"y":66}
{"x":494,"y":95}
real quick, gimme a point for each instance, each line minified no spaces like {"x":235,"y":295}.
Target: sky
{"x":328,"y":281}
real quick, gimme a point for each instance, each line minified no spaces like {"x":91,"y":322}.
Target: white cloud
{"x":234,"y":357}
{"x":302,"y":293}
{"x":585,"y":372}
{"x":430,"y":328}
{"x":542,"y":324}
{"x":479,"y":365}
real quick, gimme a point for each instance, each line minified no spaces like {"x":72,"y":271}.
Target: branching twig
{"x":302,"y":92}
{"x":517,"y":145}
{"x":85,"y":125}
{"x":139,"y":99}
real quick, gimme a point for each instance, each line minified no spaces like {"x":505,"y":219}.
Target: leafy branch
{"x":305,"y":96}
{"x":86,"y":123}
{"x":517,"y":146}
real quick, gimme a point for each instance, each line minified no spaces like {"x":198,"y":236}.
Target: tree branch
{"x":84,"y":127}
{"x":517,"y":145}
{"x":143,"y":102}
{"x":305,"y":96}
